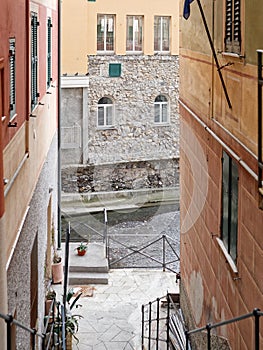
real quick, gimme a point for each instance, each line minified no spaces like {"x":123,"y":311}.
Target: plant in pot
{"x":71,"y":319}
{"x":50,"y":296}
{"x":57,"y":268}
{"x":82,"y":248}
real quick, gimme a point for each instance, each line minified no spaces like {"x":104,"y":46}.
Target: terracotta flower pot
{"x":57,"y":272}
{"x":81,"y":252}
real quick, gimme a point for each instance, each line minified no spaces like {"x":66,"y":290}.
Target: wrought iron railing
{"x":256,"y":314}
{"x":156,"y":322}
{"x":165,"y":263}
{"x":53,"y":335}
{"x":167,"y":330}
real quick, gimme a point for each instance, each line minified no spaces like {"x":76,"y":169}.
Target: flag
{"x":187,"y":8}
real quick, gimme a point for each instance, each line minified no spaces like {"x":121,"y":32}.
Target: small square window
{"x":115,"y":70}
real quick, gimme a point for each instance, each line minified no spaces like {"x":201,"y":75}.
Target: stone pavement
{"x":112,"y":316}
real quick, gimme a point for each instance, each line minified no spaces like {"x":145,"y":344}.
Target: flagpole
{"x":214,"y":53}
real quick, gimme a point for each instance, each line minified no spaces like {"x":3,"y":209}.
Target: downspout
{"x":59,"y":125}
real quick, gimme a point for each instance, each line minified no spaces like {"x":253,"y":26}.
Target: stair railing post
{"x":66,"y":265}
{"x":163,"y":252}
{"x":157,"y":325}
{"x":142,"y":327}
{"x":186,"y":340}
{"x":168,"y":317}
{"x":8,"y":332}
{"x":256,"y":315}
{"x":34,"y":339}
{"x":150,"y":325}
{"x":208,"y":328}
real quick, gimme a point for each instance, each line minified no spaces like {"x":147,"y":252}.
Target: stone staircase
{"x":92,"y":268}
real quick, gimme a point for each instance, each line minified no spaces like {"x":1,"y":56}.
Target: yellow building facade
{"x":79,"y":28}
{"x":120,"y":86}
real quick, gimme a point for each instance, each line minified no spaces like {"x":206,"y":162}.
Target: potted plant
{"x":71,"y":319}
{"x":82,"y":248}
{"x":50,"y":296}
{"x":57,"y":268}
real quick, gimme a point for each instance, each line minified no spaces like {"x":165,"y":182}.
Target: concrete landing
{"x":92,"y":268}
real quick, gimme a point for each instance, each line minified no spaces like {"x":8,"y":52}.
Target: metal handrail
{"x":255,"y":313}
{"x":49,"y":327}
{"x":153,"y":334}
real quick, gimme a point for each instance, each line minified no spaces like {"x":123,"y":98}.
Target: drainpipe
{"x":59,"y":125}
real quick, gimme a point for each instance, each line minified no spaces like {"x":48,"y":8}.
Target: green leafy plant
{"x":71,"y":320}
{"x":82,"y":247}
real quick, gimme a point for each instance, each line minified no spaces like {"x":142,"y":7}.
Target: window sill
{"x":106,"y":127}
{"x":134,"y":52}
{"x":163,"y":53}
{"x":231,"y":54}
{"x":229,"y":259}
{"x":162,"y":124}
{"x":105,"y":52}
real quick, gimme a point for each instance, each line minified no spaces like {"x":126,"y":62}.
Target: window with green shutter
{"x":49,"y":48}
{"x":229,"y":221}
{"x":12,"y":75}
{"x":34,"y":60}
{"x":114,"y":70}
{"x":233,"y":26}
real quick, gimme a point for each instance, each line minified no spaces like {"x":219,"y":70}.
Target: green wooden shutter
{"x":34,"y":60}
{"x":12,"y":72}
{"x":49,"y":47}
{"x":114,"y":69}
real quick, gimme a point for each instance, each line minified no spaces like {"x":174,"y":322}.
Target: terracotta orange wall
{"x":14,"y":27}
{"x":215,"y":292}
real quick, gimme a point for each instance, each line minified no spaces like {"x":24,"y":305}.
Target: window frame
{"x":12,"y":78}
{"x":161,"y":105}
{"x":233,"y":27}
{"x":156,"y":40}
{"x":229,"y":212}
{"x":106,"y":107}
{"x":34,"y":60}
{"x":49,"y":51}
{"x":140,"y":31}
{"x":106,"y":18}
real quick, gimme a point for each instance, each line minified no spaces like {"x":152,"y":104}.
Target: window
{"x":49,"y":47}
{"x":105,"y":33}
{"x":161,"y":34}
{"x":34,"y":60}
{"x":229,"y":205}
{"x":12,"y":72}
{"x":114,"y":69}
{"x":134,"y":33}
{"x":161,"y":109}
{"x":233,"y":27}
{"x":105,"y":112}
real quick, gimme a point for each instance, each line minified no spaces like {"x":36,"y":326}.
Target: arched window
{"x":161,"y":109}
{"x":105,"y":112}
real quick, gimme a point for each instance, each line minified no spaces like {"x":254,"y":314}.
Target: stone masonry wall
{"x":134,"y":135}
{"x":125,"y":155}
{"x":121,"y":176}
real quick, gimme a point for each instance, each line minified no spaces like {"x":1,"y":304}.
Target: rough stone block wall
{"x":121,"y":176}
{"x":135,"y":152}
{"x":134,"y":135}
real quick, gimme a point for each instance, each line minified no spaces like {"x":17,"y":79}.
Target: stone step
{"x":83,"y":278}
{"x":103,"y":268}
